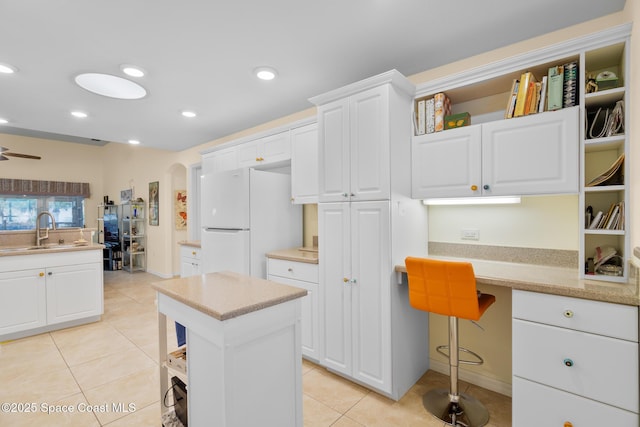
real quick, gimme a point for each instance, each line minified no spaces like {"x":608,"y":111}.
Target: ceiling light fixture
{"x":79,"y":114}
{"x":265,"y":73}
{"x":496,"y":200}
{"x":134,"y":142}
{"x":7,"y":69}
{"x":132,"y":70}
{"x":110,"y":86}
{"x":189,"y":114}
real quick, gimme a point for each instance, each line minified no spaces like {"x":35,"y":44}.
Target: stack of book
{"x":558,"y":89}
{"x":613,"y":219}
{"x":430,"y":113}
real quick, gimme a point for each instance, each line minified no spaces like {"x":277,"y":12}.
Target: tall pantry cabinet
{"x":367,"y":223}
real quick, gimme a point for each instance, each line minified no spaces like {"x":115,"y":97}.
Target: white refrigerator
{"x":245,"y":214}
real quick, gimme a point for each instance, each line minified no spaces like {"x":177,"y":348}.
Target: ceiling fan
{"x":4,"y":152}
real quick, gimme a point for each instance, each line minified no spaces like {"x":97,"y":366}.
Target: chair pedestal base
{"x":468,"y":412}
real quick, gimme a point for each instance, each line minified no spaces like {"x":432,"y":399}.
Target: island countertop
{"x":225,"y":295}
{"x":549,"y":280}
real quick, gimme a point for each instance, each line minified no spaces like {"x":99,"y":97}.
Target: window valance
{"x":43,"y":188}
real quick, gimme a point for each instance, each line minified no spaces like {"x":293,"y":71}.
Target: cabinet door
{"x":222,"y":160}
{"x":304,"y":164}
{"x":248,"y":154}
{"x":537,"y":154}
{"x":333,"y":151}
{"x":447,"y":164}
{"x":335,"y":289}
{"x":369,"y":145}
{"x":370,"y":293}
{"x":74,"y":292}
{"x":275,"y":148}
{"x":22,"y":300}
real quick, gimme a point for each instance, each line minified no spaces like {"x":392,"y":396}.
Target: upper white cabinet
{"x":263,"y":151}
{"x":304,"y":164}
{"x":221,"y":160}
{"x":357,"y":133}
{"x":537,"y":154}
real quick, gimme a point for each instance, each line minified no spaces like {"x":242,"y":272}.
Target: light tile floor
{"x":88,"y":369}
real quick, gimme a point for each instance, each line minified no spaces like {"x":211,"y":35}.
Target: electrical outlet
{"x":470,"y":234}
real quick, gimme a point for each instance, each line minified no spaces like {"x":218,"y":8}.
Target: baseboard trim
{"x":473,"y":378}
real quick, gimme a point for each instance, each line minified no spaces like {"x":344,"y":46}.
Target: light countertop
{"x":308,"y":255}
{"x":193,"y":243}
{"x":225,"y":295}
{"x":549,"y":280}
{"x":47,"y":249}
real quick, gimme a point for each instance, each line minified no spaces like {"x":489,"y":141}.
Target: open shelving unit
{"x":133,"y":238}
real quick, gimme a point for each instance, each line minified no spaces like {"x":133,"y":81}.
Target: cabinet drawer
{"x":190,"y":252}
{"x":536,"y":405}
{"x":293,"y":270}
{"x":603,"y":318}
{"x":601,"y":368}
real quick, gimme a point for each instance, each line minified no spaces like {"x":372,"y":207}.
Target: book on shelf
{"x":543,"y":95}
{"x":570,"y":85}
{"x":613,"y":219}
{"x":421,"y":117}
{"x":430,"y":116}
{"x":612,"y":176}
{"x":511,"y":102}
{"x":442,"y":108}
{"x":523,"y":90}
{"x":555,"y":85}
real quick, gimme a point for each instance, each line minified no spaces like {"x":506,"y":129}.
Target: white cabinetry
{"x":221,"y":160}
{"x":304,"y":164}
{"x":576,"y":359}
{"x":267,"y":150}
{"x":537,"y":154}
{"x":302,"y":275}
{"x":368,"y":331}
{"x":354,"y":153}
{"x":190,"y":261}
{"x":64,"y":290}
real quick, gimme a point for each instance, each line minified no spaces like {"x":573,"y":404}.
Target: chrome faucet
{"x":40,"y":238}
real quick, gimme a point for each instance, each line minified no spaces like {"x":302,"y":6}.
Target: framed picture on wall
{"x":154,"y":202}
{"x":125,"y":195}
{"x":180,"y":203}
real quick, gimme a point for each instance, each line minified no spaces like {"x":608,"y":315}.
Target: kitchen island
{"x":244,"y":361}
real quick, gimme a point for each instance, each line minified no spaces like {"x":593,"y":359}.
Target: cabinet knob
{"x":193,"y":253}
{"x":345,"y":280}
{"x":474,"y":188}
{"x":345,"y":195}
{"x":293,"y":199}
{"x":290,"y":270}
{"x":41,"y":274}
{"x":50,"y":273}
{"x":352,"y":195}
{"x":353,"y":280}
{"x":486,"y":186}
{"x":568,"y":314}
{"x":568,"y":362}
{"x":568,"y":424}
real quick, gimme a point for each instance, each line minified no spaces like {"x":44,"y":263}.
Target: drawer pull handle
{"x":568,"y":314}
{"x":568,"y":362}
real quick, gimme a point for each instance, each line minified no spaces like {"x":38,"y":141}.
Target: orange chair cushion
{"x":445,"y":287}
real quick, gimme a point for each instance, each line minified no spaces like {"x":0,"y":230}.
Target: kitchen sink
{"x":38,"y":248}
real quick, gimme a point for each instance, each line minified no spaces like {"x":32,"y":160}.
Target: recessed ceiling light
{"x":79,"y":114}
{"x":132,"y":70}
{"x":3,"y":121}
{"x":265,"y":73}
{"x":134,"y":142}
{"x":188,"y":114}
{"x":111,"y":86}
{"x":7,"y":69}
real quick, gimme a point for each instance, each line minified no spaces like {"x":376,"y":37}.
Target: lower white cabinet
{"x":302,"y":275}
{"x":66,"y":289}
{"x":576,"y":359}
{"x":190,"y":261}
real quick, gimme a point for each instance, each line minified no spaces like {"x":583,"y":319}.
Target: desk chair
{"x":449,"y":288}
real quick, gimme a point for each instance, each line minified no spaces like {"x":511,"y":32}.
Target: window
{"x":20,"y":212}
{"x":21,"y":200}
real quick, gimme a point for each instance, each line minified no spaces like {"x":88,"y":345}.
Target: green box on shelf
{"x":457,"y":120}
{"x":610,"y":83}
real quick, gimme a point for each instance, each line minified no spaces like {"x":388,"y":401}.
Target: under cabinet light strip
{"x":474,"y":201}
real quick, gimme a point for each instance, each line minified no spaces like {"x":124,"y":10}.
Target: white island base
{"x":244,"y":364}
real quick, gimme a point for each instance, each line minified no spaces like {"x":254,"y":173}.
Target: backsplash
{"x":28,"y":237}
{"x":550,"y":257}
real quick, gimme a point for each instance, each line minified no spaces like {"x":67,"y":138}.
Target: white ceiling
{"x":199,"y":55}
